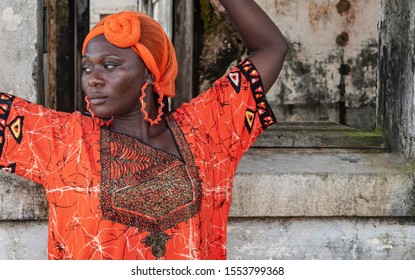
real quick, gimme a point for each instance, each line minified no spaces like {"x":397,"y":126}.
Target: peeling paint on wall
{"x":330,"y":73}
{"x":343,"y":6}
{"x":12,"y":20}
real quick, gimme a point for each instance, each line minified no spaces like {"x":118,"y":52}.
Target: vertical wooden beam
{"x":183,"y":39}
{"x":81,"y":30}
{"x":50,"y":55}
{"x":65,"y":55}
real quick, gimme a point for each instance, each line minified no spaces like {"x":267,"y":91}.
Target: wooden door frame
{"x":65,"y":30}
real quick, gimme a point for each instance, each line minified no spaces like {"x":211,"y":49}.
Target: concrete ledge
{"x":21,"y":199}
{"x":280,"y":183}
{"x":322,"y":184}
{"x":322,"y":239}
{"x":21,"y":39}
{"x":265,"y":239}
{"x":319,"y":135}
{"x":23,"y":240}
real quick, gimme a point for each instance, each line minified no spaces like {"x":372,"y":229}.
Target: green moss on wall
{"x":219,"y":44}
{"x":208,"y":17}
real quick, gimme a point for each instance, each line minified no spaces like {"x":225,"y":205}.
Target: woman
{"x":132,"y":182}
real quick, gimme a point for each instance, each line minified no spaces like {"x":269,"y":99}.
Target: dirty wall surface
{"x":20,"y":48}
{"x":330,"y":73}
{"x":333,"y":58}
{"x":397,"y":84}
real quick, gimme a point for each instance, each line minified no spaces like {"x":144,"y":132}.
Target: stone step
{"x":319,"y":135}
{"x":340,"y":238}
{"x":21,"y":199}
{"x":281,"y":183}
{"x":322,"y":183}
{"x":286,"y":204}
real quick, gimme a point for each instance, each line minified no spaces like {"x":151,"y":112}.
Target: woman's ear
{"x":149,"y":76}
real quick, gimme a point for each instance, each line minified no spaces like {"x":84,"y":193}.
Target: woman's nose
{"x":95,"y":79}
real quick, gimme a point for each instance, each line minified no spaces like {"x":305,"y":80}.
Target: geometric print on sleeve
{"x":15,"y":126}
{"x":266,"y":116}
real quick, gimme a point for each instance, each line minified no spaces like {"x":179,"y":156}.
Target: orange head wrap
{"x":147,"y":38}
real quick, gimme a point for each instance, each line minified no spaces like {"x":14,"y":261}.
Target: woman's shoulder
{"x":37,"y":115}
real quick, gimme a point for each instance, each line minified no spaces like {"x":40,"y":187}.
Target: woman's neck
{"x":135,"y":126}
{"x":158,"y":136}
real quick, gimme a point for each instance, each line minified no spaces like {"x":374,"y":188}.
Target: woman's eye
{"x":109,"y":65}
{"x":87,"y":70}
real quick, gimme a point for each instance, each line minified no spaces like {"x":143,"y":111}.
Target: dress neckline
{"x":171,"y":126}
{"x":146,"y":188}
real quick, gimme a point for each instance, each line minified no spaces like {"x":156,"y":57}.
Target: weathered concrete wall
{"x":396,"y":108}
{"x":266,"y":239}
{"x":21,"y":199}
{"x":26,"y":240}
{"x":21,"y":46}
{"x":333,"y":58}
{"x":321,"y":239}
{"x":20,"y":53}
{"x":329,"y":184}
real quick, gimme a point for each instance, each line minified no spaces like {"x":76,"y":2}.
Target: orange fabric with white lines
{"x":99,"y":184}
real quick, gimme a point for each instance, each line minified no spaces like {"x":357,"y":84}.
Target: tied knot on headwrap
{"x":122,"y":30}
{"x":147,"y":38}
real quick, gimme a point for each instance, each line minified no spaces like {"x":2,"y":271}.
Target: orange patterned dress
{"x":111,"y":196}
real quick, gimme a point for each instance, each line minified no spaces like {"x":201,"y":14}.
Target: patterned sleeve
{"x":29,"y":137}
{"x":232,"y":114}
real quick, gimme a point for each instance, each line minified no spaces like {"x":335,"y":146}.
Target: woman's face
{"x":112,"y":78}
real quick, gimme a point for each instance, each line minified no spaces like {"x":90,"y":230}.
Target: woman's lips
{"x":96,"y":100}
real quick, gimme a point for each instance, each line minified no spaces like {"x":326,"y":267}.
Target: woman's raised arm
{"x":266,"y":45}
